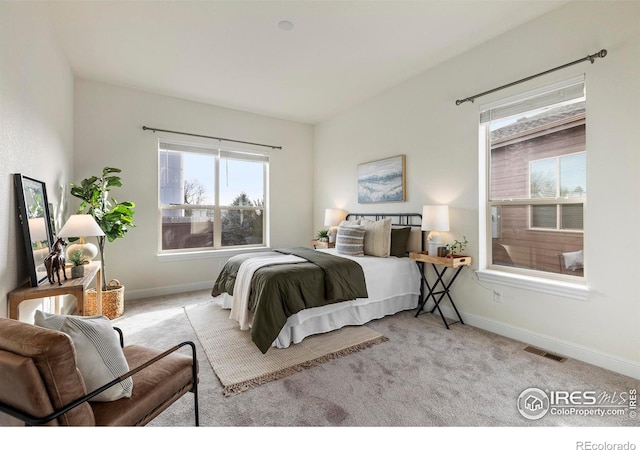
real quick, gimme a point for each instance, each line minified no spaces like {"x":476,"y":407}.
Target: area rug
{"x":240,"y":365}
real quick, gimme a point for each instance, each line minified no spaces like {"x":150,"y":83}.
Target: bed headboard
{"x":412,"y":220}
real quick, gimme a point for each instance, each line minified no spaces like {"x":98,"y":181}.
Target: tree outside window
{"x":211,"y":199}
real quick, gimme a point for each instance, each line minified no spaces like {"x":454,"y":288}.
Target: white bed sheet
{"x":393,"y":285}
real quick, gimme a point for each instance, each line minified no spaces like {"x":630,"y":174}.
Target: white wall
{"x":36,"y":124}
{"x":420,"y":119}
{"x":108,"y":132}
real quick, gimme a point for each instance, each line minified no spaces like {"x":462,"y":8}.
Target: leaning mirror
{"x":33,"y":212}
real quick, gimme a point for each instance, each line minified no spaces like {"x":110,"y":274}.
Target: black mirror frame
{"x":24,"y":187}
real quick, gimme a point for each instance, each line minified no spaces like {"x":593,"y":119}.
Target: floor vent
{"x":545,"y":354}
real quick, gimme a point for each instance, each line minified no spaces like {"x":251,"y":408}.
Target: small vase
{"x":77,"y":271}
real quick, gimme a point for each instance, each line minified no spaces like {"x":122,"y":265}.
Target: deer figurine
{"x":55,"y":261}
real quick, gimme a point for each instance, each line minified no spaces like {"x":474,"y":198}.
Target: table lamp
{"x":332,"y":218}
{"x":435,"y":218}
{"x":81,"y":226}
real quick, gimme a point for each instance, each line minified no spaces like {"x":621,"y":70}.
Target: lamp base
{"x":332,"y":235}
{"x":435,"y":241}
{"x":433,"y":248}
{"x":89,"y":251}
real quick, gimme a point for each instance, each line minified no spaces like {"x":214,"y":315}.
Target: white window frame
{"x":543,"y":282}
{"x":218,"y":152}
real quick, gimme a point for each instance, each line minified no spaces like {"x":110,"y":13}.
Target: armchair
{"x":40,"y":383}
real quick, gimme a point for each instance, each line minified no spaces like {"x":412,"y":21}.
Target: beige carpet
{"x":240,"y":365}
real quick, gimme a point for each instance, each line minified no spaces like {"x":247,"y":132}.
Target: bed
{"x":391,"y":284}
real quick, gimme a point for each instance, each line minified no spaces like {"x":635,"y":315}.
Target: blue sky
{"x":242,"y":176}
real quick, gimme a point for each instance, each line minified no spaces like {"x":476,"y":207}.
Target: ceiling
{"x":234,"y":54}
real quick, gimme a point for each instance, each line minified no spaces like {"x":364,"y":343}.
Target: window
{"x":211,"y":198}
{"x":558,"y":177}
{"x":536,"y":186}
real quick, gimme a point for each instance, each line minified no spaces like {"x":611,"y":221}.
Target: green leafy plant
{"x":457,"y":247}
{"x":77,"y":258}
{"x":113,"y":217}
{"x":323,"y":235}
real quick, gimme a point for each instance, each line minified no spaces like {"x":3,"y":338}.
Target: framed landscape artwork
{"x":382,"y":181}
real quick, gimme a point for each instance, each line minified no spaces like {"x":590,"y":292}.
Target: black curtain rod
{"x":601,"y":54}
{"x":145,"y":128}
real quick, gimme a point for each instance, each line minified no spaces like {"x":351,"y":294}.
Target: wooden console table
{"x":73,"y":286}
{"x":457,"y":262}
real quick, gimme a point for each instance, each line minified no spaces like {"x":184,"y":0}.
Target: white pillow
{"x":350,"y":240}
{"x":100,"y":357}
{"x":377,"y":237}
{"x":574,"y":260}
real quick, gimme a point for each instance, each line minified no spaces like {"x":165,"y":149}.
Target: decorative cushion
{"x":99,"y":355}
{"x":377,"y":237}
{"x":350,"y":240}
{"x":573,"y":260}
{"x":399,"y":241}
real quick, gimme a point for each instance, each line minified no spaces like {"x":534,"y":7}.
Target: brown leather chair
{"x":41,"y":385}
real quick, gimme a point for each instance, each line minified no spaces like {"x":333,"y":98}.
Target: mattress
{"x":393,"y":285}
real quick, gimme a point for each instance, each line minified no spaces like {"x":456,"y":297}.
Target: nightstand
{"x":457,"y":263}
{"x":322,"y":244}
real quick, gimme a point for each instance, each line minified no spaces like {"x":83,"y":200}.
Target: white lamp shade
{"x":435,"y":218}
{"x":333,"y":217}
{"x":80,"y":225}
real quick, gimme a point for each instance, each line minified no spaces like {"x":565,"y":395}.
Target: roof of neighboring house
{"x":535,"y":123}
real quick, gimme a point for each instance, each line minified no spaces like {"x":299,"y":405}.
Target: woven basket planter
{"x":112,"y":300}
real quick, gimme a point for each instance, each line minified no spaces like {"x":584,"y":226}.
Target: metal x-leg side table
{"x":457,"y":263}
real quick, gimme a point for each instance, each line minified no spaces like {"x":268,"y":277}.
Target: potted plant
{"x":115,"y":218}
{"x":457,"y":247}
{"x":323,"y":236}
{"x":77,"y":259}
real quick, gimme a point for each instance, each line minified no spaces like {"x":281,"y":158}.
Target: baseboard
{"x":167,"y":290}
{"x":552,"y":344}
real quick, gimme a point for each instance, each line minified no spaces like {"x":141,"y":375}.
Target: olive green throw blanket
{"x":282,"y":290}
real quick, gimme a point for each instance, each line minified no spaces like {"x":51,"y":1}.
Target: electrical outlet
{"x":497,"y":296}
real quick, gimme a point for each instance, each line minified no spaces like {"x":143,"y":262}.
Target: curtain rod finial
{"x":601,"y":54}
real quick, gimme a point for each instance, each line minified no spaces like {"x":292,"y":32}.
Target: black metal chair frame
{"x":37,"y":421}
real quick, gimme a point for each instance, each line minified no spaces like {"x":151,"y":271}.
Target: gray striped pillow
{"x":99,"y":356}
{"x":350,"y":240}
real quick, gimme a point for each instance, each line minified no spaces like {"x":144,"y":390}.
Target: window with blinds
{"x":211,"y":198}
{"x":536,"y":180}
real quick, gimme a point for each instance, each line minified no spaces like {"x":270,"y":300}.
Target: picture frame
{"x":35,"y":219}
{"x":382,"y":181}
